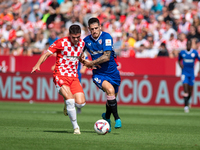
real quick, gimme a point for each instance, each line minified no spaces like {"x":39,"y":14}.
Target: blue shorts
{"x":114,"y":81}
{"x":187,"y":79}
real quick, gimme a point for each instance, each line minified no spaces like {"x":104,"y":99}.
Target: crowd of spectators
{"x":140,"y":28}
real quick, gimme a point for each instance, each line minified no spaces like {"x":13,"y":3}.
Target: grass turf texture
{"x":25,"y":126}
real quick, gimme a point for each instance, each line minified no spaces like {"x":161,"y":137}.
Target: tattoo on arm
{"x":104,"y":58}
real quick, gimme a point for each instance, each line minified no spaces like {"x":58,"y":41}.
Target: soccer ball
{"x":101,"y":127}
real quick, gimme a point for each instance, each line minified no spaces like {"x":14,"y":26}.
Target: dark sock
{"x":188,"y":98}
{"x":113,"y":107}
{"x":186,"y":101}
{"x":108,"y":111}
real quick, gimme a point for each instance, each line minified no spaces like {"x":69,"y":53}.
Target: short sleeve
{"x":55,"y":47}
{"x":197,"y":55}
{"x":107,"y":43}
{"x":179,"y":56}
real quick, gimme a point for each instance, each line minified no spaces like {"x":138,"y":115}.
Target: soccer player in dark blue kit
{"x":106,"y":76}
{"x":186,"y":60}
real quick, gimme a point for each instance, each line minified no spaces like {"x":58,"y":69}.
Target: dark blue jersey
{"x":188,"y":58}
{"x":96,"y":48}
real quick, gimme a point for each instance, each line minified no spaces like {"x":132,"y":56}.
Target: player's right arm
{"x":40,"y":61}
{"x":52,"y":49}
{"x":180,"y":60}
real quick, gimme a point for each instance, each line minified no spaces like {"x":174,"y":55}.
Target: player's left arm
{"x":104,"y":58}
{"x":198,"y":57}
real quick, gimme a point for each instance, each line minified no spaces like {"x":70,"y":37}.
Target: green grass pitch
{"x":40,"y":126}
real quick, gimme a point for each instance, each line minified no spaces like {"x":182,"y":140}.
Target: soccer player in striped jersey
{"x":65,"y":74}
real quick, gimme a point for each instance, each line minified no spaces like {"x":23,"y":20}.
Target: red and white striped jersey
{"x":184,"y":28}
{"x":40,"y":25}
{"x":16,"y":6}
{"x":17,"y":23}
{"x":140,"y":26}
{"x":182,"y":44}
{"x":27,"y":27}
{"x":67,"y":56}
{"x":172,"y":45}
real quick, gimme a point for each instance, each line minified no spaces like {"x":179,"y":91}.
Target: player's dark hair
{"x":74,"y":29}
{"x":93,"y":20}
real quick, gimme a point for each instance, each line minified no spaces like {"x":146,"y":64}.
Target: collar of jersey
{"x":191,"y":50}
{"x":97,"y":38}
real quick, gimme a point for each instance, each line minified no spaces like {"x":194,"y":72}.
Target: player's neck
{"x":97,"y":37}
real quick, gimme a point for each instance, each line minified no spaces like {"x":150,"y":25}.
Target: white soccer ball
{"x":101,"y":127}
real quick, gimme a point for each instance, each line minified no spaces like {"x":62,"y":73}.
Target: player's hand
{"x":53,"y":67}
{"x":96,"y":67}
{"x":82,"y":58}
{"x":199,"y":73}
{"x":35,"y":68}
{"x":87,"y":64}
{"x":181,"y":65}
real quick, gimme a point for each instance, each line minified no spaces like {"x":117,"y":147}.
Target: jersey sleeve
{"x":107,"y":43}
{"x":197,"y":56}
{"x":180,"y":56}
{"x":55,"y":47}
{"x":85,"y":47}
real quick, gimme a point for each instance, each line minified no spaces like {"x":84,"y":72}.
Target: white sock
{"x":79,"y":105}
{"x":72,"y":112}
{"x":186,"y":107}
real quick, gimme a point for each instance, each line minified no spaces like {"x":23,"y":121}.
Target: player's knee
{"x":185,"y":94}
{"x":80,"y":105}
{"x":109,"y":91}
{"x":70,"y":104}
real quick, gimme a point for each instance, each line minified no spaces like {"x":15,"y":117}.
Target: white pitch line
{"x":30,"y":112}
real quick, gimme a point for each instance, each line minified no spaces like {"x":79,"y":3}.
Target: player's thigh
{"x":184,"y":79}
{"x":108,"y":88}
{"x":79,"y":98}
{"x":77,"y":91}
{"x":63,"y":86}
{"x":66,"y":92}
{"x":185,"y":87}
{"x":191,"y":80}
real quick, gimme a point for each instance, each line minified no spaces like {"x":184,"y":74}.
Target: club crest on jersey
{"x":61,"y":82}
{"x":192,"y":54}
{"x":100,"y":41}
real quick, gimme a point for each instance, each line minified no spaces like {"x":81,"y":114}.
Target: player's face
{"x":95,"y":30}
{"x":189,"y":45}
{"x":75,"y":38}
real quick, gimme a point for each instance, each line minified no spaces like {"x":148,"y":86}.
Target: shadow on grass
{"x":67,"y":131}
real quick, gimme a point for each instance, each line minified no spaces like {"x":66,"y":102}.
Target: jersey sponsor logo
{"x":100,"y":41}
{"x":188,"y":60}
{"x":96,"y":52}
{"x":108,"y":42}
{"x":72,"y":58}
{"x":192,"y":55}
